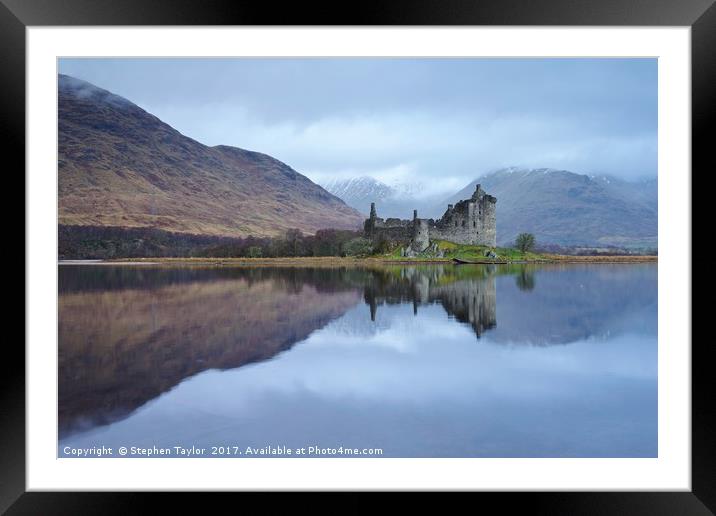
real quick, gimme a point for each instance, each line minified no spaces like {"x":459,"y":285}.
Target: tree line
{"x":99,"y":242}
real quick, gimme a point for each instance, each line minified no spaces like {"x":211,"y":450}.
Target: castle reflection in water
{"x":470,"y":300}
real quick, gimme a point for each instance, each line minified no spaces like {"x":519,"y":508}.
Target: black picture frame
{"x":700,"y":15}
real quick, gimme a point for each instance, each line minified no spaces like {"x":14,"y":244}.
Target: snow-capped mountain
{"x":392,"y":200}
{"x":359,"y":192}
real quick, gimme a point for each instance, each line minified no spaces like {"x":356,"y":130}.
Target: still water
{"x":424,"y":361}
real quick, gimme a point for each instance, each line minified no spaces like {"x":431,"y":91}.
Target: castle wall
{"x":393,"y":229}
{"x":489,"y":224}
{"x":471,"y":221}
{"x":421,"y":235}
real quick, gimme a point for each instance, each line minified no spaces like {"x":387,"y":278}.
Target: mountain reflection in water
{"x":127,"y":335}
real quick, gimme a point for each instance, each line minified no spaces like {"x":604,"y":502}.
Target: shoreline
{"x":334,"y":261}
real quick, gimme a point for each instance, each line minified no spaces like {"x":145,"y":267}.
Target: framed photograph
{"x":434,"y":247}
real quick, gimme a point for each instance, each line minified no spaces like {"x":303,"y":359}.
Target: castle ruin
{"x":470,"y":221}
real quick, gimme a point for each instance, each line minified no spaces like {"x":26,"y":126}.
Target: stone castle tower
{"x":471,"y":221}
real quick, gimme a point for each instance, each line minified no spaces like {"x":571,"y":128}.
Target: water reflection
{"x":466,"y":293}
{"x":128,"y":334}
{"x":378,"y":349}
{"x":525,"y":279}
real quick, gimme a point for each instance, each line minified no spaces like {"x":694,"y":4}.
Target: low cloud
{"x":437,"y":123}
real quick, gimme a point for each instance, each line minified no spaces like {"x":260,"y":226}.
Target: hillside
{"x":561,"y":207}
{"x":121,"y":166}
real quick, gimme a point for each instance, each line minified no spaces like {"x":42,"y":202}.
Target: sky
{"x":436,"y":124}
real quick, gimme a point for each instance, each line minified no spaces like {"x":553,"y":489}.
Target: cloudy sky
{"x":436,"y":122}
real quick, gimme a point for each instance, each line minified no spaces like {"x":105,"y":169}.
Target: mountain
{"x":121,"y":166}
{"x":644,"y":190}
{"x":561,"y":207}
{"x":359,"y":192}
{"x":394,"y":200}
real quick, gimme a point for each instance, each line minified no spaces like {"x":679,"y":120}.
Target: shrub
{"x":358,"y":247}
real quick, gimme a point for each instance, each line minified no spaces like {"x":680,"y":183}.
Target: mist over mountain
{"x":565,"y":208}
{"x":394,"y":200}
{"x":119,"y":165}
